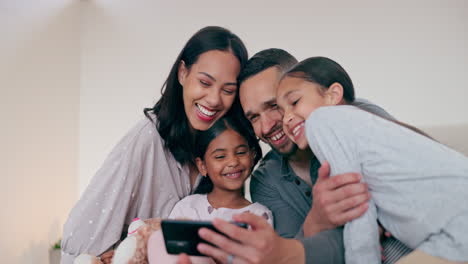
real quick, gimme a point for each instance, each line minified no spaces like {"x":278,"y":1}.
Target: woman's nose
{"x":213,"y":98}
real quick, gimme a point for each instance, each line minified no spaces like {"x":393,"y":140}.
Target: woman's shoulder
{"x":144,"y":131}
{"x":145,"y":122}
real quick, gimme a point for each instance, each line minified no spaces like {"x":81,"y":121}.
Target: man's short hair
{"x":265,"y":59}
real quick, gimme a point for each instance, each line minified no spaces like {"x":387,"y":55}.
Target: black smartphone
{"x":181,"y":236}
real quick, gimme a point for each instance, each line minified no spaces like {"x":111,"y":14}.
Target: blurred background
{"x":76,"y":75}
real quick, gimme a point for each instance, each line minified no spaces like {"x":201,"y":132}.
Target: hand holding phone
{"x":181,"y":236}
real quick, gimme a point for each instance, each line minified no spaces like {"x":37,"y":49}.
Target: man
{"x":283,"y":182}
{"x":287,"y":181}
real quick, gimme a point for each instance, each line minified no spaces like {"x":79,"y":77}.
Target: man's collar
{"x":288,"y":173}
{"x":286,"y":170}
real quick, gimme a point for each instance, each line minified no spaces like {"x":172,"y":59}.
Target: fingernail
{"x":201,"y":247}
{"x":202,"y":232}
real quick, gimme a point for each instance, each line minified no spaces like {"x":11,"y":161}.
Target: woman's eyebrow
{"x":214,"y":79}
{"x":209,"y":76}
{"x":217,"y":150}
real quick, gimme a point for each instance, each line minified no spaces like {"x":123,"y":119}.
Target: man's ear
{"x":201,"y":166}
{"x":182,"y":72}
{"x":334,"y":94}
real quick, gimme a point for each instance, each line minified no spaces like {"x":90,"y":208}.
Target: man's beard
{"x":288,"y":153}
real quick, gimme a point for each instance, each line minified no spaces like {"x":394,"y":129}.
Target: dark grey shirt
{"x":275,"y":185}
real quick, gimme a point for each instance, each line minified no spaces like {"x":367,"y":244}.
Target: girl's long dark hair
{"x":172,"y":122}
{"x":237,"y":123}
{"x":324,"y":72}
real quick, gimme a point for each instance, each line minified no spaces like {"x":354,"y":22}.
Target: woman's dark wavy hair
{"x":172,"y":122}
{"x":238,"y":123}
{"x":324,"y":72}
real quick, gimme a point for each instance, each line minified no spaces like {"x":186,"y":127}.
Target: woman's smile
{"x":205,"y":113}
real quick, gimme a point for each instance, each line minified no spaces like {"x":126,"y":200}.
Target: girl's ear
{"x":182,"y":72}
{"x":201,"y":166}
{"x":334,"y":94}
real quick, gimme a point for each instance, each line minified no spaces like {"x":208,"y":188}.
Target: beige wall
{"x":39,"y":108}
{"x":454,"y":136}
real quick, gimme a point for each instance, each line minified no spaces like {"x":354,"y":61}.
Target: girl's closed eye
{"x":242,"y":151}
{"x":294,"y":102}
{"x":219,"y":157}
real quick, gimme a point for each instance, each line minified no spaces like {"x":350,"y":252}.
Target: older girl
{"x":418,"y":186}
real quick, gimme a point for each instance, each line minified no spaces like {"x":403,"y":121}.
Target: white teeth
{"x":277,"y":136}
{"x":233,"y":174}
{"x":296,"y":129}
{"x":205,"y":111}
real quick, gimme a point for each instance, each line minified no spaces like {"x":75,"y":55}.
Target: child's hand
{"x":383,"y":235}
{"x":106,"y":258}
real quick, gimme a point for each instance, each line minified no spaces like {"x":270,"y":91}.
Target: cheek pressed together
{"x":298,"y":98}
{"x":258,"y":98}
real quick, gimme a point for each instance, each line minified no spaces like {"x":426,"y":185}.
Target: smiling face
{"x":228,"y":161}
{"x":209,"y":87}
{"x":299,"y":98}
{"x":258,"y":98}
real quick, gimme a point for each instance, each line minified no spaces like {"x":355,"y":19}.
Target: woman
{"x":417,"y":185}
{"x":152,"y":167}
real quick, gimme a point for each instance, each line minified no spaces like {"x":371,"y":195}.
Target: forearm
{"x":311,"y":226}
{"x":292,"y":251}
{"x":325,"y":247}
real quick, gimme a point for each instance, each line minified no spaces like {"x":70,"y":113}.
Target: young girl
{"x":418,"y":186}
{"x":226,"y":154}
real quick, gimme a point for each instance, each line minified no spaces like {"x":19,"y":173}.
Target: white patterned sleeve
{"x":97,"y":220}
